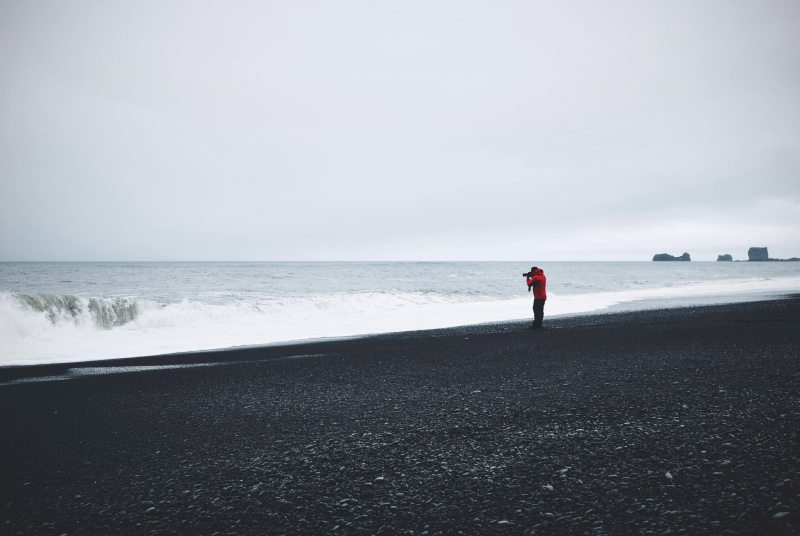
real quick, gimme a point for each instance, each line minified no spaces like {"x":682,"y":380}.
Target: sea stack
{"x":727,"y":257}
{"x":757,"y":254}
{"x":668,"y":257}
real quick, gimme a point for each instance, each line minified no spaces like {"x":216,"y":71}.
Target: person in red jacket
{"x":538,"y":283}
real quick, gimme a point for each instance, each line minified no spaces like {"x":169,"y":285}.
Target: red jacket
{"x":539,"y":283}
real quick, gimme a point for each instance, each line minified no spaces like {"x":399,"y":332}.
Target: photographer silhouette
{"x":538,"y":283}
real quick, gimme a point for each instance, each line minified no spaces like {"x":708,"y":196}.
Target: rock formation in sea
{"x":761,"y":254}
{"x":726,"y":257}
{"x":668,"y":257}
{"x":757,"y":254}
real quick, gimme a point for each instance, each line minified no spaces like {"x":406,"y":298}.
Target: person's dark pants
{"x":538,"y":313}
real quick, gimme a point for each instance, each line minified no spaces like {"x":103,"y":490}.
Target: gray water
{"x":76,"y":311}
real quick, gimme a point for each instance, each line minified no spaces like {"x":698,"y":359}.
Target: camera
{"x":531,"y":273}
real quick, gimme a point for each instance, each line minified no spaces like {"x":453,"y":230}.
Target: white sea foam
{"x":55,"y":328}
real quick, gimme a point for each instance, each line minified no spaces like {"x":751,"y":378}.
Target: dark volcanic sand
{"x":439,"y":432}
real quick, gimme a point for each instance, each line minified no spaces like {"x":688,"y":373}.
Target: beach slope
{"x":681,"y":420}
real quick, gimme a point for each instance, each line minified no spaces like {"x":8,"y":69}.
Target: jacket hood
{"x":538,"y":271}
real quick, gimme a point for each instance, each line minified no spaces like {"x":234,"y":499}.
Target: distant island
{"x":754,"y":254}
{"x":759,"y":254}
{"x":668,"y":257}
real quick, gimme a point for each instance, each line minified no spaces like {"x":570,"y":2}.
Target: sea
{"x":71,"y":312}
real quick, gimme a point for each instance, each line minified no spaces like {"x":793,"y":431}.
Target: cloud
{"x":423,"y":130}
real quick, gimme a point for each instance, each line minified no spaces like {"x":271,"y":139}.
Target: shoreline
{"x":12,"y":372}
{"x":672,"y":420}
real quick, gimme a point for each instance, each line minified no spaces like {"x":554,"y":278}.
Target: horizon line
{"x":350,"y":260}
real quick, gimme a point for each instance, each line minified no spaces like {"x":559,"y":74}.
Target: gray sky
{"x":398,"y":130}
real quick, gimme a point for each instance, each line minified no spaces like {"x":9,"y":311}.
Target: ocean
{"x":67,"y":312}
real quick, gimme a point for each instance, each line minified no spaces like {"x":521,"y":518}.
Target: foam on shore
{"x":42,"y":329}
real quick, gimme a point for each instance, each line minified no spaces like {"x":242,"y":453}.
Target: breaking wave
{"x":104,"y":313}
{"x":48,"y":328}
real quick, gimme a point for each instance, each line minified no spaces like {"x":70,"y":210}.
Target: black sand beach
{"x":654,"y":422}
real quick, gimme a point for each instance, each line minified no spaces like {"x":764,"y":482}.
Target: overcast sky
{"x":346,"y":130}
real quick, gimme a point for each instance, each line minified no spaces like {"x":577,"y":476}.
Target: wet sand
{"x":652,"y":422}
